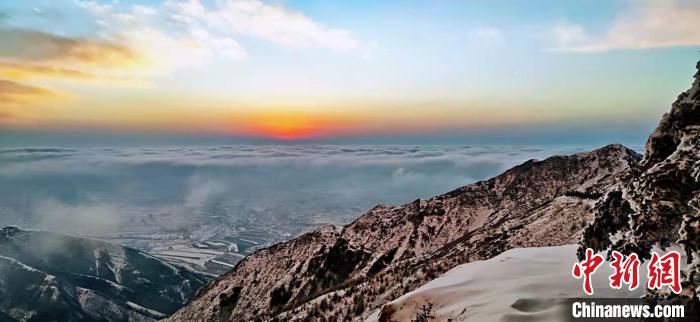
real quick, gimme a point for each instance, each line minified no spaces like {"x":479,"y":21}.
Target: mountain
{"x":658,"y":201}
{"x":52,"y":277}
{"x":346,"y":273}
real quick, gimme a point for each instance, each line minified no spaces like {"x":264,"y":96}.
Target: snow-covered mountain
{"x":52,"y":277}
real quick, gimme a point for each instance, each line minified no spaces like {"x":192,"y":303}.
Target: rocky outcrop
{"x":344,"y":274}
{"x":52,"y":277}
{"x":658,"y":200}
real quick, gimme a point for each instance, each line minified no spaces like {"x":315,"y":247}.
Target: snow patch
{"x":487,"y":290}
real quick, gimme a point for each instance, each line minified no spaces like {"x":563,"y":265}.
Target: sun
{"x":286,"y":126}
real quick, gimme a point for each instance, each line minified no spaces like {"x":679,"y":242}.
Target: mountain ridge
{"x":367,"y":263}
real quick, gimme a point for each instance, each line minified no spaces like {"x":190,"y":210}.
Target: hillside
{"x":52,"y":277}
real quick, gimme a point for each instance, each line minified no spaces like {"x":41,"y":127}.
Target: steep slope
{"x":524,"y":280}
{"x":343,"y":274}
{"x":659,"y":200}
{"x":52,"y":277}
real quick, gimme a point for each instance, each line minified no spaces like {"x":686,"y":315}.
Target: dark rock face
{"x":391,"y":250}
{"x":658,"y":200}
{"x":53,"y":277}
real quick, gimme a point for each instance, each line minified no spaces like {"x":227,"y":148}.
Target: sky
{"x":343,"y":71}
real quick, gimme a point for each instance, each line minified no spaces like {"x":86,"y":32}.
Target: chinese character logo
{"x":586,"y":268}
{"x":662,"y":271}
{"x":665,"y":271}
{"x":625,"y":271}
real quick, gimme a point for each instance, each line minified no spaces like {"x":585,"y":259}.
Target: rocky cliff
{"x":345,"y":273}
{"x":52,"y":277}
{"x":658,"y":201}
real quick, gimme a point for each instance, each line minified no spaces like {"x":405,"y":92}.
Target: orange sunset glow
{"x":295,"y":125}
{"x":295,"y":74}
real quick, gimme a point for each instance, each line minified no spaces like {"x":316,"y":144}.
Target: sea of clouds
{"x":93,"y":189}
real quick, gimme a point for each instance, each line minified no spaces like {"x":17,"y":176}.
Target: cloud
{"x":16,"y":97}
{"x":12,"y":88}
{"x":134,"y":44}
{"x":191,"y":32}
{"x":16,"y":93}
{"x":132,"y":188}
{"x":31,"y":45}
{"x":23,"y":70}
{"x":201,"y":190}
{"x":31,"y":54}
{"x":54,"y":215}
{"x":167,"y":39}
{"x":279,"y":25}
{"x":646,"y":24}
{"x":144,"y":188}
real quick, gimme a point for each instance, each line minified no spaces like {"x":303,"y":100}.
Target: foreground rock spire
{"x":658,"y":200}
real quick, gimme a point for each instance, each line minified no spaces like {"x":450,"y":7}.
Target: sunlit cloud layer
{"x":90,"y":190}
{"x":11,"y":92}
{"x":29,"y":54}
{"x":24,"y":71}
{"x":40,"y":46}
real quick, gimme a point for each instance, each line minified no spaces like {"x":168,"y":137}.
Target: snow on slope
{"x":517,"y":285}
